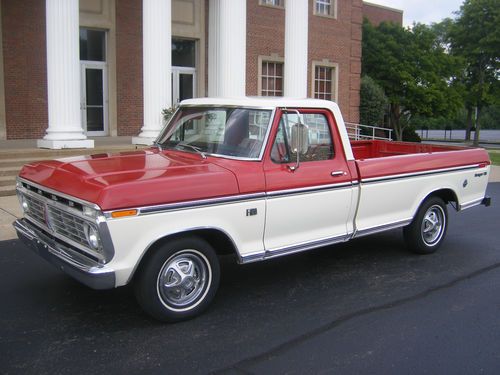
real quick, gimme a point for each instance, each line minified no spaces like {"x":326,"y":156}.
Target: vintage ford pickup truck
{"x":254,"y":177}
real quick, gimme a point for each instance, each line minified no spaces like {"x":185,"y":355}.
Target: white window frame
{"x":333,"y":8}
{"x":335,"y":77}
{"x":270,"y":4}
{"x":274,"y":58}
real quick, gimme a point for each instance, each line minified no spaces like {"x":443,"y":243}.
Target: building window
{"x":273,"y":3}
{"x":92,"y":45}
{"x":271,"y":78}
{"x":325,"y":80}
{"x":325,"y":8}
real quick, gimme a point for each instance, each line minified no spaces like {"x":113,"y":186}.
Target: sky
{"x":422,"y":11}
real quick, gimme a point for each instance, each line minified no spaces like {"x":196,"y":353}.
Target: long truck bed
{"x":391,"y":174}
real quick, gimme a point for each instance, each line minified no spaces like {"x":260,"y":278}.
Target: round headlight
{"x":24,"y":203}
{"x":92,"y":237}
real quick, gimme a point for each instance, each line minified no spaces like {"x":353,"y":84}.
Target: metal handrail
{"x":356,"y":135}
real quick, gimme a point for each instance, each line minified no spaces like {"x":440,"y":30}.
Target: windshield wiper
{"x":158,"y":144}
{"x":197,"y":149}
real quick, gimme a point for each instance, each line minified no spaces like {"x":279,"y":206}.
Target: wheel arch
{"x":448,"y":195}
{"x":220,"y":240}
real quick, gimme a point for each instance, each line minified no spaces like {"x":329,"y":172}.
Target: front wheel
{"x":426,"y":232}
{"x":179,"y":280}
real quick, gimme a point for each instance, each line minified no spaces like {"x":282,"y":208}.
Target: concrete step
{"x":17,"y":162}
{"x":40,"y":154}
{"x":5,"y":191}
{"x":9,"y":171}
{"x":7,"y":180}
{"x":12,"y":160}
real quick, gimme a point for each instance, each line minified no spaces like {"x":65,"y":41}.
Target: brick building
{"x":71,"y":69}
{"x":377,"y":14}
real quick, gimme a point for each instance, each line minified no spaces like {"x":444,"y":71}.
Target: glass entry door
{"x":94,"y":98}
{"x":183,"y":84}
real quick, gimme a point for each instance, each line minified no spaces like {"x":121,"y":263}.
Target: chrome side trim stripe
{"x":470,"y":204}
{"x":235,"y":199}
{"x":311,"y":189}
{"x":274,"y":253}
{"x":381,"y":228}
{"x":199,"y":203}
{"x":415,"y":174}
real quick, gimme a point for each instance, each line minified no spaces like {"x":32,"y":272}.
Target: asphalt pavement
{"x":364,"y":307}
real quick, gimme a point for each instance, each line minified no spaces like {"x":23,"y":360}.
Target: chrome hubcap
{"x":182,"y":279}
{"x":433,"y":225}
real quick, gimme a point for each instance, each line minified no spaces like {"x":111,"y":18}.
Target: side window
{"x":316,"y":146}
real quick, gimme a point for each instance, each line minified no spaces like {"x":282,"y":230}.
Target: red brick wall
{"x":129,"y":66}
{"x":339,"y":41}
{"x":265,"y":36}
{"x":25,"y":68}
{"x":377,"y":14}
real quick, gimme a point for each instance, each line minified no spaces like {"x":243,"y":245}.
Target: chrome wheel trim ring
{"x":184,"y":280}
{"x":433,"y":225}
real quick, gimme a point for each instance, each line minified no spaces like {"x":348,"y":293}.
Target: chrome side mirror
{"x":299,"y":139}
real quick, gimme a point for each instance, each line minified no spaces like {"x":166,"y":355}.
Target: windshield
{"x":233,"y":132}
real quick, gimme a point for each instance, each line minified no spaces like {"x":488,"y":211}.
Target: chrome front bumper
{"x":83,"y":269}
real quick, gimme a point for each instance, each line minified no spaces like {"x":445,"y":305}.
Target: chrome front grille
{"x":67,"y":220}
{"x":67,"y":225}
{"x":57,"y":219}
{"x":37,"y":209}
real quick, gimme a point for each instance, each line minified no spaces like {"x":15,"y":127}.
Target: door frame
{"x":176,"y":71}
{"x":102,"y":65}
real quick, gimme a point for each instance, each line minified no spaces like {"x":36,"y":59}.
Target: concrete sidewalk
{"x":10,"y":209}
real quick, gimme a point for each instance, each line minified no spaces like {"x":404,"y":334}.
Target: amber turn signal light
{"x":124,"y":213}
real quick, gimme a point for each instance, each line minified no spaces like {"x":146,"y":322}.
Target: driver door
{"x":308,"y":202}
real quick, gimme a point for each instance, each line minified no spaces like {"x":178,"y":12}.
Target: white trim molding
{"x":335,"y":76}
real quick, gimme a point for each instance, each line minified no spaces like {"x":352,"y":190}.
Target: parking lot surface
{"x":364,"y":307}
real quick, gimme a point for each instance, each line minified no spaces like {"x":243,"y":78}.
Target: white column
{"x":227,"y":25}
{"x":157,"y":62}
{"x":63,"y":77}
{"x":296,"y":28}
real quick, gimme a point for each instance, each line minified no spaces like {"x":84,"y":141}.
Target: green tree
{"x":413,"y":68}
{"x":373,"y":102}
{"x":475,"y":37}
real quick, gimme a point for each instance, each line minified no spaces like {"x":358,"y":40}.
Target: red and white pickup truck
{"x":254,"y":177}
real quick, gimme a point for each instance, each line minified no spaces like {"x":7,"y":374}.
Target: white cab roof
{"x":263,"y":101}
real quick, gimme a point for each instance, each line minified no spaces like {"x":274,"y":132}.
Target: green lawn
{"x":495,"y":157}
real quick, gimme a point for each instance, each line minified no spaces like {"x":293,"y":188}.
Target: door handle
{"x":338,"y":173}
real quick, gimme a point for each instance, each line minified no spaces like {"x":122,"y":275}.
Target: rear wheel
{"x":426,"y":232}
{"x":179,"y":280}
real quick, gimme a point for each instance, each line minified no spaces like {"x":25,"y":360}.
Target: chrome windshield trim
{"x":416,"y":174}
{"x":264,"y":140}
{"x":55,"y":192}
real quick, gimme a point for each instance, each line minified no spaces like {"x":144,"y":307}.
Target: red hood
{"x":132,"y":179}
